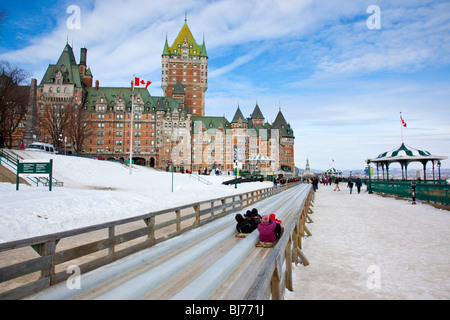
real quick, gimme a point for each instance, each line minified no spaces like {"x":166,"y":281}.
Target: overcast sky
{"x":340,"y":84}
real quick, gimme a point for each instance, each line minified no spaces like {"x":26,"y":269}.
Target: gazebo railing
{"x":436,"y":191}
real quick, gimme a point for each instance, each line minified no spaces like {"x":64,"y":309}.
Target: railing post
{"x":223,"y":204}
{"x":197,"y":211}
{"x":275,"y":285}
{"x":44,"y":250}
{"x":111,"y":235}
{"x":150,"y":222}
{"x":295,"y":245}
{"x":288,"y":257}
{"x":178,"y":215}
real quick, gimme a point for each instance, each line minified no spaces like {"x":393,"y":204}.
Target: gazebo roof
{"x":406,"y":153}
{"x":260,"y":157}
{"x":333,"y":171}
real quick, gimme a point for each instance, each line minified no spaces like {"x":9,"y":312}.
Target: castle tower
{"x":186,"y":62}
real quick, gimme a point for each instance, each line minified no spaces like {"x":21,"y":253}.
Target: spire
{"x":238,"y":115}
{"x":166,"y":50}
{"x":257,"y":114}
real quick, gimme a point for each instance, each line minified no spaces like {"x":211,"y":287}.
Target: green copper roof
{"x":238,"y":115}
{"x":166,"y":50}
{"x":185,"y":35}
{"x":112,"y":94}
{"x":404,"y":151}
{"x":257,"y":114}
{"x":281,"y":124}
{"x":68,"y":67}
{"x":210,"y":123}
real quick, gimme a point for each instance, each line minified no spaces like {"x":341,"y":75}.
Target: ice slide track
{"x":205,"y":263}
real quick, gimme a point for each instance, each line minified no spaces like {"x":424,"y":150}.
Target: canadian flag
{"x":138,"y":82}
{"x":403,"y":121}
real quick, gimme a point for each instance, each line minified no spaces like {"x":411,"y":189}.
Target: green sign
{"x":36,"y":169}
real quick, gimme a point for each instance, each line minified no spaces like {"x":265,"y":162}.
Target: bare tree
{"x":57,"y":119}
{"x":80,"y":128}
{"x":13,"y":100}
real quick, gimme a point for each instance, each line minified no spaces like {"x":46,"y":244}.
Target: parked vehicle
{"x":42,"y":147}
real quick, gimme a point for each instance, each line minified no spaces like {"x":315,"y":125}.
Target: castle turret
{"x":187,"y":62}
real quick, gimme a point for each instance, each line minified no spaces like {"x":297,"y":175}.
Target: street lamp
{"x":439,"y":168}
{"x":61,"y":141}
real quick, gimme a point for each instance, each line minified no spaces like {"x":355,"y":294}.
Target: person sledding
{"x":253,"y":214}
{"x":245,"y":225}
{"x":272,"y":217}
{"x":269,"y":231}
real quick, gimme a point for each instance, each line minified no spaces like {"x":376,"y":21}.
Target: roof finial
{"x":185,"y":16}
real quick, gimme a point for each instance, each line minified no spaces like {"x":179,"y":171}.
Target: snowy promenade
{"x":371,"y":247}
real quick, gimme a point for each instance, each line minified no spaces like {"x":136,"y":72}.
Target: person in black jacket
{"x":245,"y":224}
{"x":254,"y":215}
{"x":358,"y":185}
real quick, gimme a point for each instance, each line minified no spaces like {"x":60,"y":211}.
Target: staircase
{"x":201,"y":179}
{"x":10,"y":160}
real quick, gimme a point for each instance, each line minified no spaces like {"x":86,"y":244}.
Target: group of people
{"x":350,"y":185}
{"x":268,"y":226}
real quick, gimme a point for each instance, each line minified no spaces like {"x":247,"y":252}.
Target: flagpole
{"x":131,"y":125}
{"x":401,"y":126}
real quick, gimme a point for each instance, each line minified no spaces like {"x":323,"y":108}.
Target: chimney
{"x":97,"y":84}
{"x":83,"y":56}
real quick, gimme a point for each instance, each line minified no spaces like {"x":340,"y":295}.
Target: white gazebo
{"x":405,"y":155}
{"x":333,"y":172}
{"x":261,"y":159}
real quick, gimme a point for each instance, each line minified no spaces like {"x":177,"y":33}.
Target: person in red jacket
{"x":279,"y":230}
{"x":268,"y":230}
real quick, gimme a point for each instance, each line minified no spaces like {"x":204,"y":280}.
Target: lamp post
{"x":439,"y":168}
{"x":413,"y":187}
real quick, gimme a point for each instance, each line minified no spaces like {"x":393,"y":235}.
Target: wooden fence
{"x":106,"y":242}
{"x":276,"y":274}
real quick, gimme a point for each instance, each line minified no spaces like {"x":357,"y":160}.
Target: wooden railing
{"x":107,"y":242}
{"x":273,"y":279}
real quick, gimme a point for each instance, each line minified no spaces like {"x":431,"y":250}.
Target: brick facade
{"x":168,"y":130}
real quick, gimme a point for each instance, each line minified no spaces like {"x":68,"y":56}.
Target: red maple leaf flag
{"x":138,"y":82}
{"x":403,"y":121}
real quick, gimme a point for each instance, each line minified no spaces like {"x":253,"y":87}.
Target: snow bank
{"x":99,"y":191}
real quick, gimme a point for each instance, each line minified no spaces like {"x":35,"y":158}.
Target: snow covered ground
{"x":99,"y":191}
{"x":371,"y":247}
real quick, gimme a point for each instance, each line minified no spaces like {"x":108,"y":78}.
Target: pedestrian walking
{"x":315,"y":183}
{"x":358,"y":184}
{"x":350,"y":185}
{"x":336,"y":185}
